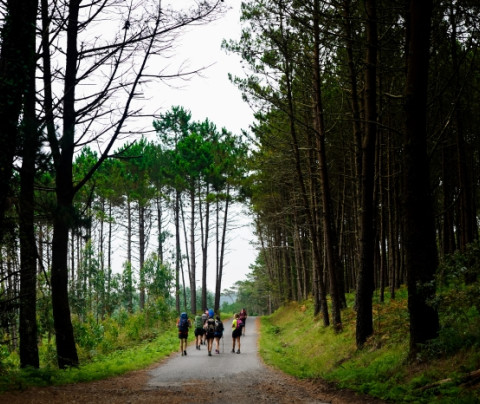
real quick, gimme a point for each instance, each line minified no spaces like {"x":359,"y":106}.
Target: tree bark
{"x":28,"y":250}
{"x":421,"y":260}
{"x":141,"y":246}
{"x":17,"y":43}
{"x":365,"y":280}
{"x":63,"y":217}
{"x":330,"y":234}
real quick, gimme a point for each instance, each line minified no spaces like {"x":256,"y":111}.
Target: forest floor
{"x":271,"y":387}
{"x":197,"y":378}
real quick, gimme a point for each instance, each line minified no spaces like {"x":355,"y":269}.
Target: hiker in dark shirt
{"x":183,"y":324}
{"x":218,"y":333}
{"x":243,"y":318}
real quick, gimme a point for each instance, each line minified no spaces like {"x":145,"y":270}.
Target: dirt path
{"x":197,"y":378}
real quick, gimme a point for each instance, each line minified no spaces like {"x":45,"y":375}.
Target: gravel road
{"x":197,"y":378}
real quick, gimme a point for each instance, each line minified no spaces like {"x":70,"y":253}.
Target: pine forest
{"x":360,"y":173}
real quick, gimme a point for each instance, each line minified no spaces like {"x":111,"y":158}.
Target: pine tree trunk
{"x":17,"y":44}
{"x":365,"y":281}
{"x":28,"y":251}
{"x":421,"y":260}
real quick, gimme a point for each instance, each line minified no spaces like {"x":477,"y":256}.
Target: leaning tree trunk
{"x":421,"y":259}
{"x":221,"y":250}
{"x":330,"y":234}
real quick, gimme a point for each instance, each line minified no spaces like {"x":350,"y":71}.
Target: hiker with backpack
{"x":236,"y":332}
{"x":218,"y":333}
{"x":210,"y":331}
{"x":183,"y":324}
{"x":199,"y":331}
{"x":204,"y":319}
{"x":243,"y":318}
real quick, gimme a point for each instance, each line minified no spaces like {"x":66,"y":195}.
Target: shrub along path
{"x":198,"y":378}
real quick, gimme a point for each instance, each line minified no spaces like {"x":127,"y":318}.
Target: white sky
{"x":214,"y":97}
{"x":211,"y":96}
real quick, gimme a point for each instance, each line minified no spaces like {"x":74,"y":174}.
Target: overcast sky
{"x":214,"y":97}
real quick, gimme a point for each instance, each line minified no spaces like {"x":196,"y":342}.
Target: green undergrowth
{"x":295,"y":341}
{"x":98,"y":367}
{"x":105,"y":349}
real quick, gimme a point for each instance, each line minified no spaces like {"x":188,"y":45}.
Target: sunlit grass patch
{"x":296,"y":341}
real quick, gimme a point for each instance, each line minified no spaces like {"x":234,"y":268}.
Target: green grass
{"x":100,"y":367}
{"x":296,"y":342}
{"x":114,"y":353}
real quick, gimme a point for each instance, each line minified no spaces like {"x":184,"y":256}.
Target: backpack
{"x":183,"y":323}
{"x":218,"y":327}
{"x":198,"y":322}
{"x":239,"y":323}
{"x":210,"y":327}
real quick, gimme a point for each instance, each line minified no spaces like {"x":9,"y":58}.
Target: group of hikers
{"x":209,"y":328}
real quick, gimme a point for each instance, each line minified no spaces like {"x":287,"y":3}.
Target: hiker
{"x":183,"y":325}
{"x":237,"y":332}
{"x":199,"y":331}
{"x":204,"y":319}
{"x":243,"y":317}
{"x":210,"y":331}
{"x":218,"y":333}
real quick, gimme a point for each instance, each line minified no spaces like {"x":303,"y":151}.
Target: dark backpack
{"x":210,"y":327}
{"x":183,"y":324}
{"x":218,"y":326}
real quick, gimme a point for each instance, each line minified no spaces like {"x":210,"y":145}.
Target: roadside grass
{"x":109,"y":349}
{"x":98,"y":366}
{"x":296,"y":342}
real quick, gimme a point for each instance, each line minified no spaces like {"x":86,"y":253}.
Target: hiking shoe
{"x":182,"y":354}
{"x":209,"y":353}
{"x":217,"y":351}
{"x":185,"y":352}
{"x":233,"y":350}
{"x":238,"y":351}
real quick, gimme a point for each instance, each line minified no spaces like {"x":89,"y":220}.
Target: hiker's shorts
{"x":236,"y":333}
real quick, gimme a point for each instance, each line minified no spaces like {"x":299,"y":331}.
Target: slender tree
{"x":365,"y":280}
